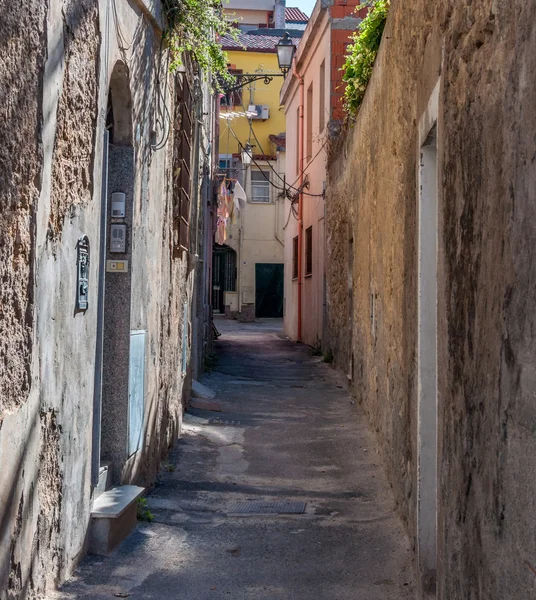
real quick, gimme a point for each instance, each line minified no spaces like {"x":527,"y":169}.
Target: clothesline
{"x":230,"y":201}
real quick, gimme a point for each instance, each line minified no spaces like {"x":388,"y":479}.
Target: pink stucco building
{"x":312,"y":97}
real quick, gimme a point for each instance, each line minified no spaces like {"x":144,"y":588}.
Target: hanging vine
{"x":196,"y":27}
{"x":362,"y":53}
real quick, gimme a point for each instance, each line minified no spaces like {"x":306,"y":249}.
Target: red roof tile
{"x":253,"y":43}
{"x":295,"y":15}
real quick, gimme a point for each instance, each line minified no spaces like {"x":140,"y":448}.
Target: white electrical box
{"x":118,"y":205}
{"x":118,"y":238}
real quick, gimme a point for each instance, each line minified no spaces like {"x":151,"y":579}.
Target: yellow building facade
{"x":248,"y":264}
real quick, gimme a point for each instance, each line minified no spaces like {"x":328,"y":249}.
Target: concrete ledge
{"x":113,"y":518}
{"x":112,"y":503}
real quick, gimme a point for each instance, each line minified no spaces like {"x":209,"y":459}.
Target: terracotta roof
{"x":295,"y":15}
{"x":253,"y":43}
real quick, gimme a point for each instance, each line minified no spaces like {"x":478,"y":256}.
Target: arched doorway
{"x":122,"y":408}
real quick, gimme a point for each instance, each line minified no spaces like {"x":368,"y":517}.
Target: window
{"x":295,"y":258}
{"x":225,"y":162}
{"x":322,"y":98}
{"x":309,"y":149}
{"x":260,"y":186}
{"x":309,"y":251}
{"x":232,"y":98}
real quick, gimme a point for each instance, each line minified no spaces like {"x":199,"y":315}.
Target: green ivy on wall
{"x":362,"y":53}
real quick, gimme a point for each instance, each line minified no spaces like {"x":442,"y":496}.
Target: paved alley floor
{"x":289,"y":432}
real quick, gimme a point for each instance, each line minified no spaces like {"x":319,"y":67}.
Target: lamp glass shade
{"x":285,"y":52}
{"x":246,"y":155}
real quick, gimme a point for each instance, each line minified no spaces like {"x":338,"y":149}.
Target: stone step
{"x":113,"y":517}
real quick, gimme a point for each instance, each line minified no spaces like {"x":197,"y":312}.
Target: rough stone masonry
{"x":57,"y":60}
{"x":482,"y":54}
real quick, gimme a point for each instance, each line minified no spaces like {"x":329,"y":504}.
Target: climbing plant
{"x":195,"y":27}
{"x":357,"y":70}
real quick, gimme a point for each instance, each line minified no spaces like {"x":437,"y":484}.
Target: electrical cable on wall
{"x":287,"y":189}
{"x":276,"y":173}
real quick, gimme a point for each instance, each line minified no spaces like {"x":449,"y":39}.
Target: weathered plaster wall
{"x":43,"y":443}
{"x":22,"y":42}
{"x":74,"y":146}
{"x":53,"y":114}
{"x":485,"y":53}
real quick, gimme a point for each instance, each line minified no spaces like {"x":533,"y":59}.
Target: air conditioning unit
{"x":259,"y":111}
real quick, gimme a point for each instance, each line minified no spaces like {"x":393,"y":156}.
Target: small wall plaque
{"x":82,"y":285}
{"x":117,"y":266}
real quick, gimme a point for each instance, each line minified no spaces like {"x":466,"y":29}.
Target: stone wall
{"x":22,"y":42}
{"x":57,"y":62}
{"x":484,"y":54}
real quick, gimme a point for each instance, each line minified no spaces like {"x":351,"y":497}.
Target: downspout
{"x":300,"y":202}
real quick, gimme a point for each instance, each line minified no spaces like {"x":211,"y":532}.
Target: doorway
{"x":269,"y":283}
{"x":122,"y":364}
{"x":427,"y":399}
{"x":224,"y":275}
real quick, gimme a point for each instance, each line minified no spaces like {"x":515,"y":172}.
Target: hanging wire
{"x":124,"y":46}
{"x":163,"y":118}
{"x":286,"y":190}
{"x":322,"y":195}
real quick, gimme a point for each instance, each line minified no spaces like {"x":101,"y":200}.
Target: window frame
{"x":295,"y":251}
{"x":309,"y":251}
{"x":228,"y":158}
{"x":322,"y":98}
{"x":235,"y":98}
{"x":309,"y":129}
{"x":266,"y":177}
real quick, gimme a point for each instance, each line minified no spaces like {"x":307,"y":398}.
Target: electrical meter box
{"x":118,"y":205}
{"x":118,"y":238}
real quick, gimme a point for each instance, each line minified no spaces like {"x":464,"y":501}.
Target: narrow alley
{"x":288,"y":439}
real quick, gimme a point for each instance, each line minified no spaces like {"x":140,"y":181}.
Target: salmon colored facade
{"x":313,"y":100}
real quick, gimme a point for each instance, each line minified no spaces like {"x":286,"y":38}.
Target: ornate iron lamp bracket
{"x":244,"y":79}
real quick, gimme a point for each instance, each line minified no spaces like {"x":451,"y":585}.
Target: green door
{"x":269,"y":290}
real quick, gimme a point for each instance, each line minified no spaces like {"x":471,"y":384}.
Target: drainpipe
{"x":300,"y":203}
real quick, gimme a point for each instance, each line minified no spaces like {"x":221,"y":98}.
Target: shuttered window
{"x":295,"y":258}
{"x":182,"y":155}
{"x":309,"y":251}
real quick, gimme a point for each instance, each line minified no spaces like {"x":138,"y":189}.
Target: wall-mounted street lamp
{"x":246,"y":155}
{"x":285,"y":53}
